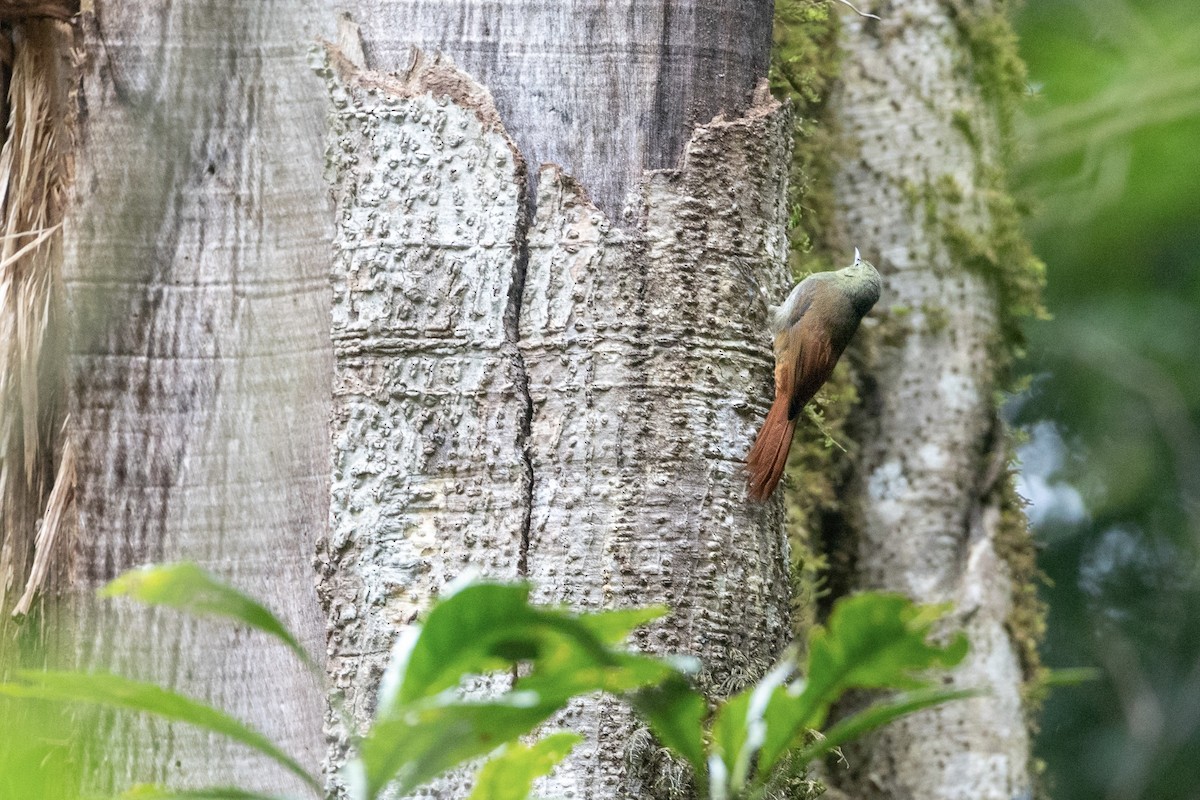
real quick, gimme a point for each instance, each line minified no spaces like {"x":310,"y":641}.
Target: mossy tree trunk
{"x":922,"y":109}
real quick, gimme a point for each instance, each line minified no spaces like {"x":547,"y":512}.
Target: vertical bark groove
{"x":512,"y":333}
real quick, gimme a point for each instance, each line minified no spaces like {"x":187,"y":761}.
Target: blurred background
{"x":1111,"y":167}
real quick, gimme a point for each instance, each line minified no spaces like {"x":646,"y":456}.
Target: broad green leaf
{"x":187,"y":587}
{"x":510,"y":774}
{"x":153,"y":792}
{"x":787,"y":717}
{"x":729,"y":729}
{"x":474,"y":631}
{"x":874,"y":641}
{"x":424,"y":740}
{"x":564,"y":670}
{"x":393,"y":674}
{"x":875,"y":716}
{"x":114,"y":691}
{"x":424,"y":727}
{"x":675,"y":713}
{"x":414,"y":742}
{"x":39,"y":749}
{"x":485,"y":627}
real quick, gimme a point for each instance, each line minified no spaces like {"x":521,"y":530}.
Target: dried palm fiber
{"x":36,"y":463}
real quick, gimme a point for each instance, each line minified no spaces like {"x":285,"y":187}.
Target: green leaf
{"x":878,"y":641}
{"x":485,"y":627}
{"x":187,"y":587}
{"x":145,"y":791}
{"x":510,"y":774}
{"x":424,"y":727}
{"x":676,"y":714}
{"x":612,"y":627}
{"x":742,"y":723}
{"x":565,"y":671}
{"x":786,"y":717}
{"x":481,"y":628}
{"x":114,"y":691}
{"x":40,"y":744}
{"x":729,"y":730}
{"x":872,"y":641}
{"x":425,"y":740}
{"x":875,"y":716}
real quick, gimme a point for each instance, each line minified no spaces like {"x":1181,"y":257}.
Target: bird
{"x":812,"y":327}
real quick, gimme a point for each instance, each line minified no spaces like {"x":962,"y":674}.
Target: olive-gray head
{"x":861,"y":283}
{"x":844,"y":296}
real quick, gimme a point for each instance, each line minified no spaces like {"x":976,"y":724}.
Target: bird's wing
{"x":789,"y":312}
{"x":804,"y":359}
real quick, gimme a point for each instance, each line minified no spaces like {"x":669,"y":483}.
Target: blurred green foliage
{"x":481,"y":635}
{"x":40,"y":750}
{"x":1112,"y":166}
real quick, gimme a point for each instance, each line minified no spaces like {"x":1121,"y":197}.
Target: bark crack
{"x":512,"y":349}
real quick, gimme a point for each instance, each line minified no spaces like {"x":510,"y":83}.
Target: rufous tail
{"x":769,"y":454}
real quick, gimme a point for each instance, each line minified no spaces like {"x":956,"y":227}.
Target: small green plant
{"x":872,"y":641}
{"x":425,"y":724}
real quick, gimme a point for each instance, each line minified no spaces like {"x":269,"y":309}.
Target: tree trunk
{"x":932,"y":507}
{"x":605,"y":90}
{"x":196,"y":253}
{"x":562,"y":397}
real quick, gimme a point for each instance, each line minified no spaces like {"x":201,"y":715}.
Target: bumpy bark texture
{"x":430,"y":413}
{"x":563,"y":398}
{"x":196,"y":256}
{"x":926,"y":505}
{"x":640,"y":350}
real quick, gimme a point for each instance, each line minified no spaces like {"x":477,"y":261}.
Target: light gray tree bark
{"x":923,"y":147}
{"x":196,"y":257}
{"x":562,"y":396}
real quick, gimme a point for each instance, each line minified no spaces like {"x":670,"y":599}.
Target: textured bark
{"x":195,"y":258}
{"x":926,"y":503}
{"x":562,"y":395}
{"x":430,"y":412}
{"x":640,"y":346}
{"x":603,"y":89}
